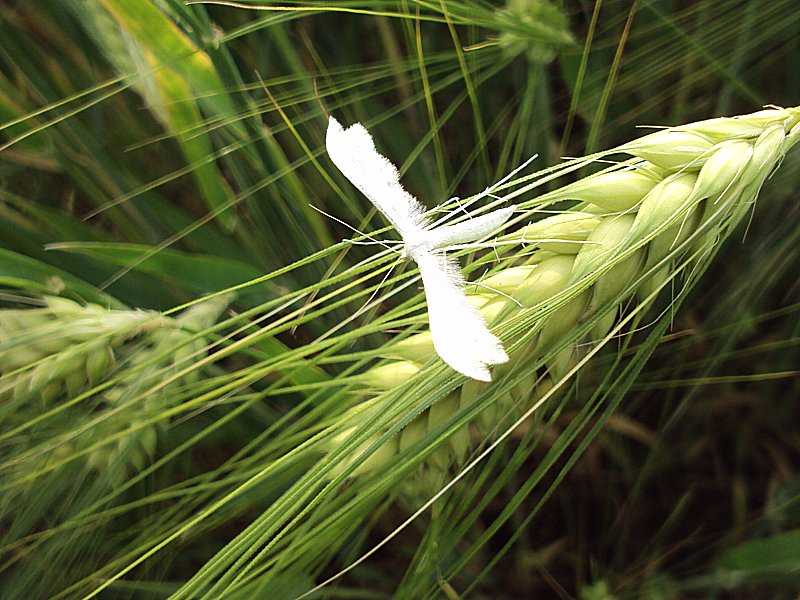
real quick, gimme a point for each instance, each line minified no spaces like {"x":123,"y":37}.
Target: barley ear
{"x":636,"y":228}
{"x":106,"y":367}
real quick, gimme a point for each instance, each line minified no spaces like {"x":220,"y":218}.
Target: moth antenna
{"x":350,"y":227}
{"x":369,"y":243}
{"x":377,"y":289}
{"x":373,"y":241}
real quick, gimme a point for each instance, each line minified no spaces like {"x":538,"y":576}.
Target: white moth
{"x":459,"y":332}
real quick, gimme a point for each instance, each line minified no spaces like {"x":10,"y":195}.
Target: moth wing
{"x":459,"y":333}
{"x":353,"y":152}
{"x":468,"y":231}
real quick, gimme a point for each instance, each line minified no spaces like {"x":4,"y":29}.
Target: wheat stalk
{"x":636,"y":226}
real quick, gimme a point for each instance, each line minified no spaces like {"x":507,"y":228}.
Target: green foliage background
{"x":154,"y":152}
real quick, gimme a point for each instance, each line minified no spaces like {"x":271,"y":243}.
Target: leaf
{"x":197,"y":273}
{"x":29,"y":274}
{"x":776,"y":557}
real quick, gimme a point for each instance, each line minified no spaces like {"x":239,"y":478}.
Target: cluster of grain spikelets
{"x":63,"y":347}
{"x":84,"y":380}
{"x":633,"y":227}
{"x":536,"y":29}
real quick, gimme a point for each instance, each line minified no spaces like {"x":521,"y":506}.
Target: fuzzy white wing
{"x":459,"y":332}
{"x":468,"y":231}
{"x":353,"y":152}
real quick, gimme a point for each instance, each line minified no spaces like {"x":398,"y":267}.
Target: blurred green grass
{"x":143,"y":164}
